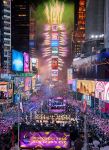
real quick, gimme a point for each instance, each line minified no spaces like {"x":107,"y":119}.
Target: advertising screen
{"x":33,"y":82}
{"x":102,"y":90}
{"x":3,"y":88}
{"x":26,"y":62}
{"x":55,"y":36}
{"x":28,"y":83}
{"x":87,"y":98}
{"x":55,"y":73}
{"x":55,"y":50}
{"x":57,"y":105}
{"x":17,"y":61}
{"x":45,"y":140}
{"x":54,"y":43}
{"x":86,"y":87}
{"x":69,"y":75}
{"x":74,"y":85}
{"x":54,"y":63}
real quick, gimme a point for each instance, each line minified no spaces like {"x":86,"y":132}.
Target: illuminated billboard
{"x":33,"y":64}
{"x":17,"y":61}
{"x":54,"y":63}
{"x":87,"y":98}
{"x":28,"y":83}
{"x":55,"y":36}
{"x":57,"y":105}
{"x":45,"y":140}
{"x":102,"y":90}
{"x":55,"y":73}
{"x":69,"y":75}
{"x":3,"y":88}
{"x":74,"y":85}
{"x":54,"y":43}
{"x":55,"y":50}
{"x":86,"y":87}
{"x":26,"y":62}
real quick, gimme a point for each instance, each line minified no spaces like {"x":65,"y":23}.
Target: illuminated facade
{"x":79,"y":33}
{"x":32,"y":38}
{"x":55,"y":43}
{"x":5,"y":36}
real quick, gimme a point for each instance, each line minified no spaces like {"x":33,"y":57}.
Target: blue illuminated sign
{"x":54,"y":43}
{"x":17,"y":61}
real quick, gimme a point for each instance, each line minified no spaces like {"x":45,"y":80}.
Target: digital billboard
{"x":28,"y":82}
{"x":3,"y":88}
{"x":69,"y":75}
{"x":74,"y":85}
{"x":54,"y":78}
{"x":55,"y":36}
{"x":33,"y":64}
{"x":57,"y":105}
{"x":87,"y":98}
{"x":26,"y":62}
{"x":17,"y":61}
{"x":45,"y":140}
{"x":55,"y":73}
{"x":33,"y":82}
{"x":54,"y":63}
{"x":54,"y":43}
{"x":55,"y":50}
{"x":102,"y":90}
{"x":86,"y":87}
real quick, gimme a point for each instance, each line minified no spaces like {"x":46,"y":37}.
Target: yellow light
{"x":54,"y":12}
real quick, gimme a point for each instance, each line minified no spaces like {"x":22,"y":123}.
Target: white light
{"x":33,"y":60}
{"x":96,"y":36}
{"x":100,"y":36}
{"x":92,"y":36}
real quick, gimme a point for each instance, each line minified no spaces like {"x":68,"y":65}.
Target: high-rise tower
{"x":5,"y":35}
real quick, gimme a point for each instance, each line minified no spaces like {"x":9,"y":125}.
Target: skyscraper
{"x":79,"y":33}
{"x":5,"y":35}
{"x":94,"y":27}
{"x":20,"y":25}
{"x":94,"y":18}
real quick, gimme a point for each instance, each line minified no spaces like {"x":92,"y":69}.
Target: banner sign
{"x":46,"y":140}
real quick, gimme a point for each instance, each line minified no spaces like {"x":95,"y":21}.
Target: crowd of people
{"x":72,"y":121}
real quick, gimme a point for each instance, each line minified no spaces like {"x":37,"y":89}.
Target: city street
{"x":54,"y":74}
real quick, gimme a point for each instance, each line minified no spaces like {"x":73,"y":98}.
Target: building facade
{"x":20,"y":25}
{"x":79,"y":32}
{"x":5,"y":35}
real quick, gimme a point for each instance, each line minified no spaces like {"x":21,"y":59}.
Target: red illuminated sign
{"x":54,"y":63}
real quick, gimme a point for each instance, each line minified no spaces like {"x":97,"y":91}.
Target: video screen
{"x":44,"y":140}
